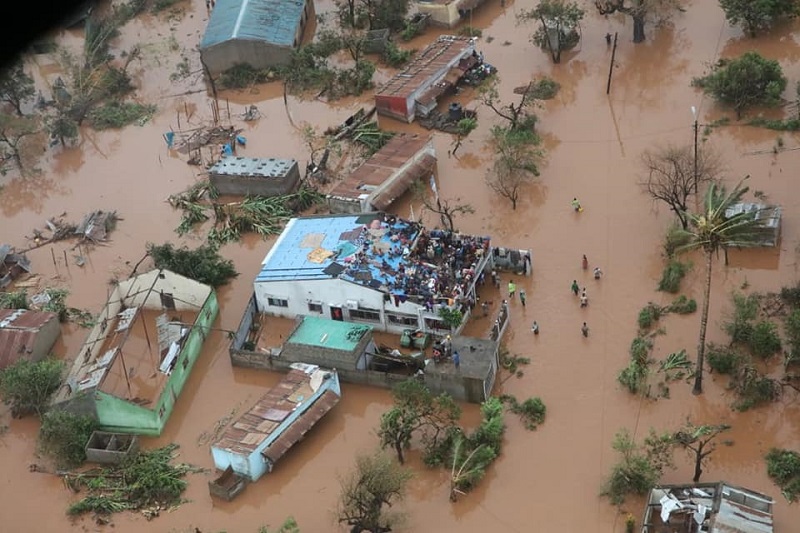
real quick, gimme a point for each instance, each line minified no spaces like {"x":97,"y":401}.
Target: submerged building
{"x":260,"y":33}
{"x":708,"y":508}
{"x":135,"y":362}
{"x":251,"y":176}
{"x":28,"y":335}
{"x":256,"y":441}
{"x":374,"y":269}
{"x":415,"y":90}
{"x":386,"y":175}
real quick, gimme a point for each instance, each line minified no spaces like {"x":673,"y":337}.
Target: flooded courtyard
{"x":545,"y":480}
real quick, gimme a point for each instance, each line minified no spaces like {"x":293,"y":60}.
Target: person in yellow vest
{"x":512,"y":289}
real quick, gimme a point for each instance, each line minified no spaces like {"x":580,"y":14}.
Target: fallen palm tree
{"x":265,"y":215}
{"x":147,"y":482}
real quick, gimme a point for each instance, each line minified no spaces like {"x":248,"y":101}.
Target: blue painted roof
{"x":343,"y":236}
{"x":273,"y":21}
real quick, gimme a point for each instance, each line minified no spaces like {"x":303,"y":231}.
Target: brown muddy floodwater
{"x":546,"y":480}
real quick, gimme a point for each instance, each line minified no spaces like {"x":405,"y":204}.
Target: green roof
{"x":325,"y":333}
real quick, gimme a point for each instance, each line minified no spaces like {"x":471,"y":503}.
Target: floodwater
{"x":547,"y":480}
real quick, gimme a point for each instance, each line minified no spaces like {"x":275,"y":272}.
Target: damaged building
{"x":130,"y":371}
{"x":386,"y":175}
{"x":12,"y":265}
{"x":415,"y":90}
{"x":708,"y":508}
{"x":28,"y":335}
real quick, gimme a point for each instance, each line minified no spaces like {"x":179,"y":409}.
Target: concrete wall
{"x":45,"y":339}
{"x":441,"y":15}
{"x":256,"y":185}
{"x":339,"y":204}
{"x":326,"y":357}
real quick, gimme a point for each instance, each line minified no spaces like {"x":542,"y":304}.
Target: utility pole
{"x":694,"y":114}
{"x":611,"y":66}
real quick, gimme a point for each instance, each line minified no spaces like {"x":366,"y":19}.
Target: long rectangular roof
{"x":253,"y":166}
{"x":255,"y":426}
{"x":381,"y":166}
{"x":426,"y":64}
{"x":272,"y":21}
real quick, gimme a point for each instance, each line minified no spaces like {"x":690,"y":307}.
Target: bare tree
{"x":517,"y":156}
{"x":377,"y":482}
{"x":516,"y":113}
{"x":699,"y":442}
{"x":13,"y":133}
{"x":670,"y":175}
{"x":447,"y":208}
{"x":639,"y":11}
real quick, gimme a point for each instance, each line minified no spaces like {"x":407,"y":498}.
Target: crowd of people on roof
{"x":436,"y":266}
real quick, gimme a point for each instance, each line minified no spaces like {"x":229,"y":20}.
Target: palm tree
{"x":711,"y":230}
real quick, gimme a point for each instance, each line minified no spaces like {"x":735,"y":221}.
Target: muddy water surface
{"x":544,"y":481}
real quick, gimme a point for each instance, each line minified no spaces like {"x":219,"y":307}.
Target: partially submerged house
{"x":386,"y":175}
{"x":130,"y":371}
{"x":26,"y":335}
{"x":251,"y":176}
{"x":256,"y":441}
{"x":415,"y":90}
{"x":12,"y":265}
{"x":447,"y":12}
{"x":352,"y":351}
{"x":374,"y":269}
{"x":769,"y":217}
{"x":260,"y":33}
{"x":707,"y":507}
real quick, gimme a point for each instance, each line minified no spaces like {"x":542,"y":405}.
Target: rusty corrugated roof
{"x":18,"y":331}
{"x":254,"y":426}
{"x":418,"y":170}
{"x":381,"y":165}
{"x":425,"y":65}
{"x":300,"y":427}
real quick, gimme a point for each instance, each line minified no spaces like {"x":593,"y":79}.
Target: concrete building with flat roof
{"x":386,"y":175}
{"x":260,"y":33}
{"x":252,"y":176}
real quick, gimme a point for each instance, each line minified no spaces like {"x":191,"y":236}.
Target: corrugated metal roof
{"x":272,"y":21}
{"x":423,"y":167}
{"x":251,"y":429}
{"x":18,"y":331}
{"x":380,"y":166}
{"x":253,"y":166}
{"x":444,"y":51}
{"x":300,"y":427}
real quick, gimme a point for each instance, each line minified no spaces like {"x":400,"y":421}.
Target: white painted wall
{"x":189,"y":294}
{"x":332,"y":293}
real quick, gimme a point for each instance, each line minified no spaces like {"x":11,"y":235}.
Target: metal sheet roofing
{"x":324,"y":333}
{"x":253,"y":166}
{"x":18,"y":331}
{"x":301,"y":426}
{"x":382,"y":165}
{"x":255,"y":426}
{"x":272,"y":21}
{"x":422,"y":168}
{"x":444,"y":51}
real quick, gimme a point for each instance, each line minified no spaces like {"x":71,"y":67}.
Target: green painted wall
{"x":116,"y":414}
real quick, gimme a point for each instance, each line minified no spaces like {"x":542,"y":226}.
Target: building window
{"x":314,"y":308}
{"x":370,"y":315}
{"x":161,"y":412}
{"x":277,"y":302}
{"x":435,"y":324}
{"x":402,"y":320}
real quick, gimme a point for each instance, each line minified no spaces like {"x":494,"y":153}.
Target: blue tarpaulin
{"x":241,"y":140}
{"x":169,"y":137}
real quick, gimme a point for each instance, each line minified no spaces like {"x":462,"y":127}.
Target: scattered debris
{"x":12,"y":265}
{"x":346,"y":128}
{"x":446,"y":122}
{"x":96,"y":225}
{"x":192,"y":140}
{"x":257,"y":214}
{"x":251,"y":114}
